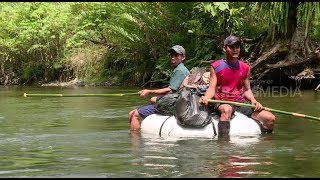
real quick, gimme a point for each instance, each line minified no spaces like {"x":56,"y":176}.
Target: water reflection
{"x":241,"y":166}
{"x":202,"y":157}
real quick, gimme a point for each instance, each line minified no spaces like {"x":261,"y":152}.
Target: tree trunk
{"x":292,"y":19}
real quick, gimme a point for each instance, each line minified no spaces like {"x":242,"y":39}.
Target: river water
{"x":90,"y":137}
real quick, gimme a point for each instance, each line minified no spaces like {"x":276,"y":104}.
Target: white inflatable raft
{"x":165,"y":126}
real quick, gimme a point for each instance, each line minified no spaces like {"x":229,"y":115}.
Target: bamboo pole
{"x":265,"y":108}
{"x":77,"y":95}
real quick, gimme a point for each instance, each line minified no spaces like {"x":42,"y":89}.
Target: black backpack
{"x":165,"y":104}
{"x":189,"y":112}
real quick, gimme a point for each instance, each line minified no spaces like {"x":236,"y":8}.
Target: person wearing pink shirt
{"x":230,"y":81}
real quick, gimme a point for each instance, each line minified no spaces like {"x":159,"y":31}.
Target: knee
{"x":226,"y":113}
{"x":271,"y":118}
{"x":133,"y":113}
{"x":136,"y":113}
{"x":269,"y":121}
{"x":153,"y":99}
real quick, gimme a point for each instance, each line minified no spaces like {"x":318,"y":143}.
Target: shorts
{"x":242,"y":109}
{"x":147,"y":110}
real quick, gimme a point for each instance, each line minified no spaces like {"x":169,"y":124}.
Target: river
{"x":90,"y":137}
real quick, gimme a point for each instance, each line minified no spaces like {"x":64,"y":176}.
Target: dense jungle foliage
{"x":126,"y":43}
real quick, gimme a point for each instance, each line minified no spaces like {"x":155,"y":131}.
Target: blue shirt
{"x":179,"y":73}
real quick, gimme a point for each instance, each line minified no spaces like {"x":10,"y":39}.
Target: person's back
{"x":177,"y":56}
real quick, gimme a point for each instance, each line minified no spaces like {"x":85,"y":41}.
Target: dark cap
{"x":178,"y":49}
{"x":231,"y":40}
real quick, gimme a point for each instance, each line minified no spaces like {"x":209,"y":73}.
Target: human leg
{"x":134,"y":120}
{"x":244,"y":110}
{"x":225,"y":111}
{"x":267,"y":120}
{"x":153,"y":99}
{"x":142,"y":112}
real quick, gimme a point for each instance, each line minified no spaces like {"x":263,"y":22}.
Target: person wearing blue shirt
{"x":180,"y":72}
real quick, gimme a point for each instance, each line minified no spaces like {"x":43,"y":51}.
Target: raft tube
{"x":165,"y":126}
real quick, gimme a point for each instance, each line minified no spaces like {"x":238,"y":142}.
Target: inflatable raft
{"x":165,"y":126}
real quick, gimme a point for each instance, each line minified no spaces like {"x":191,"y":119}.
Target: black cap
{"x":231,"y":40}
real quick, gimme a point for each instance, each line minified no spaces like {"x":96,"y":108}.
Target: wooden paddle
{"x":76,"y":95}
{"x":265,"y":108}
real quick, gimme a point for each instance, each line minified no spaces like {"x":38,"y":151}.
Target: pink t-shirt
{"x":230,"y":80}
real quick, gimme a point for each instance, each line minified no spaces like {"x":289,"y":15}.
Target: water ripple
{"x":19,"y":170}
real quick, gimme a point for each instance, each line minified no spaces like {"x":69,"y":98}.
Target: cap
{"x":178,"y":49}
{"x":231,"y":40}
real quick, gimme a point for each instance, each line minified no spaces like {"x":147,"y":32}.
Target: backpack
{"x":199,"y":77}
{"x":165,"y":104}
{"x":189,"y":112}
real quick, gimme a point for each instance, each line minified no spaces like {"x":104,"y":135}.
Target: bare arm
{"x":249,"y":95}
{"x":212,"y":88}
{"x":146,"y":92}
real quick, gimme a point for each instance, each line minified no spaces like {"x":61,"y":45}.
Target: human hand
{"x":144,"y":92}
{"x":203,"y":100}
{"x":258,"y":106}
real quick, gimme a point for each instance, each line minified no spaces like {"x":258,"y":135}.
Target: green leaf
{"x":222,"y":5}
